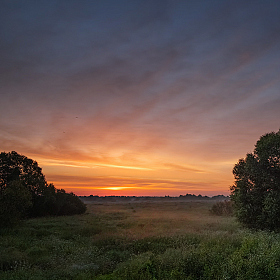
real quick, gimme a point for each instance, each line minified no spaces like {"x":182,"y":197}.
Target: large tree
{"x":24,"y":191}
{"x":256,"y":191}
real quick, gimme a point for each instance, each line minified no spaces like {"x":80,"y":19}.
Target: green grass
{"x":162,"y":240}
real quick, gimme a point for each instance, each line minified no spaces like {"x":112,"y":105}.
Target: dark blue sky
{"x":181,"y":89}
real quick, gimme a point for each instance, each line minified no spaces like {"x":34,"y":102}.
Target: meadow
{"x":138,"y":240}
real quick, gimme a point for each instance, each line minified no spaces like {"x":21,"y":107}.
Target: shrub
{"x":222,"y":208}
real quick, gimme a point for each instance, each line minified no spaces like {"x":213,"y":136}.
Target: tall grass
{"x":138,"y":241}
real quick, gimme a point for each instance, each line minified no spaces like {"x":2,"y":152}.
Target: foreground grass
{"x":162,"y":240}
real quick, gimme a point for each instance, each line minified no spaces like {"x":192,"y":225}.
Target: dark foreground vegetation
{"x":25,"y":193}
{"x":132,"y":240}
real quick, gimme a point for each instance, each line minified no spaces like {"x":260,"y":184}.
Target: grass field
{"x":138,"y":240}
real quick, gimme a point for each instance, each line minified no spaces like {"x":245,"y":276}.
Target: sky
{"x":140,"y":97}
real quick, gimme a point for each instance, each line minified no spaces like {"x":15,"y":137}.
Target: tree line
{"x":25,"y":193}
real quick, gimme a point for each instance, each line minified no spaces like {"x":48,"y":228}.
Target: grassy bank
{"x":147,"y":240}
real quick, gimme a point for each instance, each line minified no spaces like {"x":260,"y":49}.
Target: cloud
{"x":183,"y":168}
{"x":184,"y":85}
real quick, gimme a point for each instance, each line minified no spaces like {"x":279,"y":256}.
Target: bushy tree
{"x":24,"y":191}
{"x":16,"y":167}
{"x":256,"y":191}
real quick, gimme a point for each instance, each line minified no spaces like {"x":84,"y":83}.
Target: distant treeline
{"x":113,"y":198}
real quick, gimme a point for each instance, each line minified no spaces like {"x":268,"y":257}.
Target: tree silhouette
{"x":256,"y":191}
{"x":24,"y":191}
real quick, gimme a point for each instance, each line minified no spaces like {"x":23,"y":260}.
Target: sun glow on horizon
{"x":161,"y":177}
{"x":116,"y":188}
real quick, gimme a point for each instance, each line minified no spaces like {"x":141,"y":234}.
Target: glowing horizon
{"x":159,"y":177}
{"x":97,"y":178}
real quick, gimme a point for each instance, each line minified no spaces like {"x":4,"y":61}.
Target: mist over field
{"x":138,"y":240}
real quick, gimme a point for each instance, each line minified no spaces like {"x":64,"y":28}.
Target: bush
{"x":69,"y":204}
{"x":222,"y":208}
{"x":56,"y":202}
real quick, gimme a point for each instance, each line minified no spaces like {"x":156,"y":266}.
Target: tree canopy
{"x":256,"y":191}
{"x":24,"y":191}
